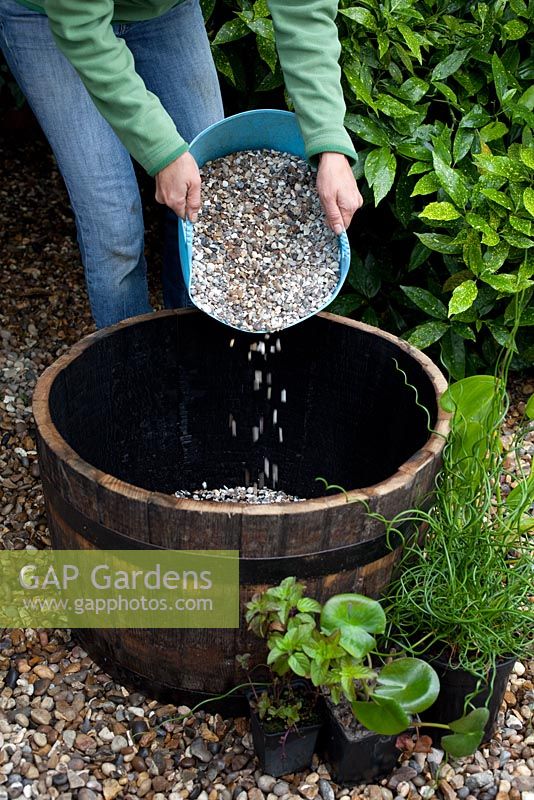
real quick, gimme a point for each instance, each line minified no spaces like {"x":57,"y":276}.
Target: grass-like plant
{"x":464,"y":587}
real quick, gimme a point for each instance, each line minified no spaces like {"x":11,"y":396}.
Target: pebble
{"x":112,"y":788}
{"x":40,"y":739}
{"x":199,"y":750}
{"x":266,"y":783}
{"x":118,"y":743}
{"x":41,"y":716}
{"x":479,"y":780}
{"x":263,"y":256}
{"x":326,"y":790}
{"x":11,"y":678}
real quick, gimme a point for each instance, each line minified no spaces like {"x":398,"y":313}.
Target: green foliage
{"x":440,"y":103}
{"x":334,"y":653}
{"x":247,"y":69}
{"x":282,"y":707}
{"x":446,"y":90}
{"x":465,"y":587}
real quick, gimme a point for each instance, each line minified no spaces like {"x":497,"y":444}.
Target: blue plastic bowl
{"x":252,"y":130}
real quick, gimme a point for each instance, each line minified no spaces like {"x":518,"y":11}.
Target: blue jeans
{"x":172,"y":55}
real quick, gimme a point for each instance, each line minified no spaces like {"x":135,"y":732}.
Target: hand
{"x":178,"y":186}
{"x":336,"y":185}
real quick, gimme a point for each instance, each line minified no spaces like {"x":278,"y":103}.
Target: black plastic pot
{"x":455,"y":685}
{"x":363,"y":760}
{"x":284,"y":751}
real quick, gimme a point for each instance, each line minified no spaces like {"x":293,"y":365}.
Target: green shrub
{"x":440,"y":101}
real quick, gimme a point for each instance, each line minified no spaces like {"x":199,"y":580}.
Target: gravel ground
{"x":65,"y":726}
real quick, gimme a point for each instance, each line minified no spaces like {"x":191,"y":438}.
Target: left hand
{"x":338,"y":191}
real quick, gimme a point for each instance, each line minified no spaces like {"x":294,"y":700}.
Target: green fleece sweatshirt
{"x":307,"y":43}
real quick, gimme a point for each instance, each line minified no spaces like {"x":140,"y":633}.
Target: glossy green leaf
{"x":426,"y":334}
{"x":501,"y":334}
{"x":462,"y":143}
{"x":414,"y":150}
{"x":440,"y":243}
{"x":501,"y":166}
{"x":267,"y":52}
{"x":262,"y":27}
{"x":426,"y":301}
{"x":471,"y":722}
{"x":460,"y":745}
{"x":411,"y":682}
{"x":472,"y":252}
{"x":353,"y":609}
{"x":428,"y":184}
{"x":358,"y":84}
{"x":521,"y":224}
{"x":452,"y":181}
{"x":519,"y":8}
{"x":529,"y":408}
{"x":456,"y":279}
{"x":489,"y":236}
{"x":366,"y":129}
{"x":412,"y":90}
{"x":440,"y":211}
{"x":360,"y":15}
{"x":492,"y":131}
{"x":507,"y":283}
{"x":528,"y":200}
{"x":225,"y":66}
{"x":308,"y":605}
{"x":260,"y":9}
{"x":463,"y":297}
{"x":477,"y":117}
{"x":383,"y":44}
{"x":517,"y":239}
{"x":453,"y":353}
{"x":381,"y":715}
{"x":449,"y":65}
{"x":299,"y":664}
{"x":271,"y":81}
{"x":356,"y":641}
{"x":495,"y":257}
{"x":418,"y":168}
{"x":345,"y":304}
{"x":411,"y":40}
{"x":207,"y":7}
{"x":380,"y":168}
{"x":393,"y":107}
{"x":472,"y":398}
{"x":501,"y":78}
{"x":418,"y":256}
{"x":498,"y":197}
{"x":514,"y":29}
{"x":526,"y":155}
{"x":230,"y":31}
{"x":464,"y":331}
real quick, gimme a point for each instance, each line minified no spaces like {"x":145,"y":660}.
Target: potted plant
{"x":367,"y":702}
{"x":463,"y":592}
{"x":285,"y":716}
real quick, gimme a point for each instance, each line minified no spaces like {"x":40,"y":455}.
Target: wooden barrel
{"x":136,"y":411}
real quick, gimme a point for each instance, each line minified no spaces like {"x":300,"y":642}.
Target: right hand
{"x":178,"y":186}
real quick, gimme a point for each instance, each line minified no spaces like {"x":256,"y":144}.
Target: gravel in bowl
{"x":263,"y":256}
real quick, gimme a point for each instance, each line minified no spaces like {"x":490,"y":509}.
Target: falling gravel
{"x":263,"y":256}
